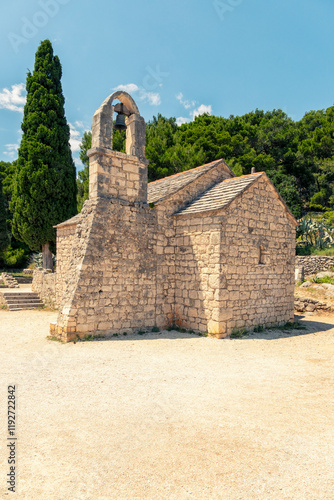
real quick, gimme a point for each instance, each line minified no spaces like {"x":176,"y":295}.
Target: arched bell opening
{"x":128,"y":118}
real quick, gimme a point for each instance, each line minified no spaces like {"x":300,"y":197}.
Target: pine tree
{"x":45,"y":179}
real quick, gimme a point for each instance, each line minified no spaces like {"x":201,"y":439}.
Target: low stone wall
{"x":314,"y":263}
{"x":44,"y":283}
{"x":303,"y":304}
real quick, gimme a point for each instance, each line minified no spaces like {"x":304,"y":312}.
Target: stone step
{"x":24,"y":301}
{"x":17,"y":301}
{"x":21,"y":299}
{"x":21,"y":294}
{"x":19,"y":307}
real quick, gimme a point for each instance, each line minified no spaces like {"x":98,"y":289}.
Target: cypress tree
{"x":4,"y":235}
{"x":45,"y":179}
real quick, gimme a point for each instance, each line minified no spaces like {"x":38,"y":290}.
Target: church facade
{"x":202,"y":249}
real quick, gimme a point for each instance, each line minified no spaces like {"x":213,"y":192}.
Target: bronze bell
{"x":120,"y":120}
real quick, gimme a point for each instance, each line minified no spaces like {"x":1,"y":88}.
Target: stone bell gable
{"x":202,"y":249}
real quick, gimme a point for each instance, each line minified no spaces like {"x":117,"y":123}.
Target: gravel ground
{"x":170,"y":415}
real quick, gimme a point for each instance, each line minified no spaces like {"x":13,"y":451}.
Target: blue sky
{"x":177,"y":58}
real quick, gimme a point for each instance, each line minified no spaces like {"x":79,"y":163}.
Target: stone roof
{"x":70,"y":222}
{"x":220,"y":195}
{"x":160,"y":189}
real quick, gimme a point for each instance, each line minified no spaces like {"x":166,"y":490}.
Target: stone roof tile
{"x":160,"y":189}
{"x":220,"y":195}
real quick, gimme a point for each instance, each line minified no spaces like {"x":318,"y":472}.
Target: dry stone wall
{"x":314,"y":263}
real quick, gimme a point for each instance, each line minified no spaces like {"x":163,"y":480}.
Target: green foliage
{"x":14,"y":257}
{"x":238,"y":333}
{"x":4,"y":235}
{"x":290,"y":325}
{"x":83,"y":175}
{"x":326,"y":251}
{"x":315,"y":233}
{"x":44,"y":191}
{"x":325,"y":279}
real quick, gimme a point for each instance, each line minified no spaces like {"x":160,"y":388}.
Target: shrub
{"x":14,"y":257}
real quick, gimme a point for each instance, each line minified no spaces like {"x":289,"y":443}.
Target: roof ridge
{"x":243,"y":176}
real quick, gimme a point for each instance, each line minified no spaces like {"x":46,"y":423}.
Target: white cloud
{"x":203,"y":108}
{"x":185,"y":103}
{"x":77,"y":162}
{"x":128,"y":87}
{"x":152,"y":98}
{"x":181,"y":120}
{"x":79,"y":124}
{"x":11,"y":152}
{"x":13,"y":99}
{"x":76,"y":135}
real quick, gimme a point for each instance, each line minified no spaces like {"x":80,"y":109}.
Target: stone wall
{"x":117,"y":175}
{"x":304,"y":304}
{"x":314,"y":263}
{"x":171,"y":257}
{"x":111,"y":282}
{"x":44,"y":283}
{"x":258,"y":252}
{"x":198,"y":300}
{"x":65,"y":237}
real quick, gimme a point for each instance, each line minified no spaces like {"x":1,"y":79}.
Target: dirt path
{"x":170,"y":416}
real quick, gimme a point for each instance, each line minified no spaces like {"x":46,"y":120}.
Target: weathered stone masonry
{"x":211,"y":252}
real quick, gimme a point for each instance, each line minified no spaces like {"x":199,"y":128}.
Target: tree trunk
{"x":47,"y":257}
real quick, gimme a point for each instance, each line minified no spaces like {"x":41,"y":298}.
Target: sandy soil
{"x":170,"y":415}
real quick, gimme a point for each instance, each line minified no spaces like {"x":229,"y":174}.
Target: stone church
{"x":202,"y":249}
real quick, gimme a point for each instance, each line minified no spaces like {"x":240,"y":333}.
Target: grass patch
{"x":325,"y":279}
{"x":155,"y":329}
{"x":89,"y":338}
{"x":325,"y":251}
{"x":295,"y":325}
{"x":258,"y":329}
{"x":54,"y":338}
{"x":238,"y":333}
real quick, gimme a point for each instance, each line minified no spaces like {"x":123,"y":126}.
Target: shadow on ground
{"x":306,"y":327}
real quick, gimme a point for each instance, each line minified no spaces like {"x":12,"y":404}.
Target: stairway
{"x":17,"y":301}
